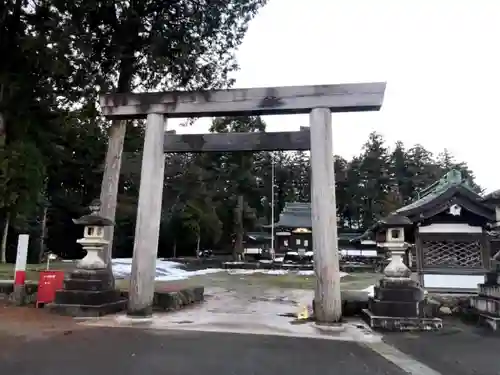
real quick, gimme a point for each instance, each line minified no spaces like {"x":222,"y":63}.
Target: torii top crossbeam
{"x":351,"y":97}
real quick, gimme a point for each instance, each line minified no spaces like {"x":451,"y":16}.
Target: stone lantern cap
{"x":394,"y":221}
{"x":94,"y":219}
{"x":492,"y":198}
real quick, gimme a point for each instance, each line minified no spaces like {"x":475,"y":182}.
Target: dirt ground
{"x":21,"y":324}
{"x":235,"y":280}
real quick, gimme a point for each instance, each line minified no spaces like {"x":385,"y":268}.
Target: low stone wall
{"x":165,"y":300}
{"x":7,"y":292}
{"x":453,"y":304}
{"x":171,"y":300}
{"x":353,"y":302}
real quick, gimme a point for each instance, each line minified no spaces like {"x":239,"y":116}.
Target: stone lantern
{"x":89,"y":289}
{"x":395,"y":244}
{"x":398,"y":302}
{"x":93,"y":237}
{"x":494,"y":199}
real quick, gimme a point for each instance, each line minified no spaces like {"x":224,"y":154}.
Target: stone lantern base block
{"x":486,"y":304}
{"x":396,"y":323}
{"x":492,"y":278}
{"x":490,"y":321}
{"x":88,"y":293}
{"x":399,"y":304}
{"x":399,"y":294}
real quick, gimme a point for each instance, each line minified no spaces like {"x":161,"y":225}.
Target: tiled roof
{"x":295,"y":215}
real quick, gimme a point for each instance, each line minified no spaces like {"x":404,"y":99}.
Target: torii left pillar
{"x":147,"y":229}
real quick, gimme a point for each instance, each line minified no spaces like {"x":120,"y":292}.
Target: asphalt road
{"x":458,"y":349}
{"x":132,"y":351}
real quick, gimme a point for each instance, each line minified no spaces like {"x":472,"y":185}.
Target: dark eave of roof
{"x":437,"y":202}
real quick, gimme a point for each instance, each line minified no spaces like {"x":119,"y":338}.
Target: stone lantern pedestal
{"x":399,"y":302}
{"x":88,"y":290}
{"x":486,"y":304}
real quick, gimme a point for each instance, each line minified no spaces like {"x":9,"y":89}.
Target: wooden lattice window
{"x":454,"y":254}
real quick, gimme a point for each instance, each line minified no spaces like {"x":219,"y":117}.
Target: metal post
{"x":272,"y":205}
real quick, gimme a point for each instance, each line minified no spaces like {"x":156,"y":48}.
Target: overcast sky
{"x":440,"y":59}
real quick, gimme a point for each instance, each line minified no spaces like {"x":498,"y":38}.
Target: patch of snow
{"x":306,"y":273}
{"x":165,"y":270}
{"x":279,"y":259}
{"x":276,"y":272}
{"x":357,"y":252}
{"x":266,"y":261}
{"x":252,"y":250}
{"x":370,"y":290}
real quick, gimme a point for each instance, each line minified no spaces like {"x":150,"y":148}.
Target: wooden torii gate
{"x":319,"y":101}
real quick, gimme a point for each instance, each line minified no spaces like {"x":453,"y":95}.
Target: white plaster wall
{"x":358,"y":252}
{"x":450,"y":228}
{"x":453,"y":281}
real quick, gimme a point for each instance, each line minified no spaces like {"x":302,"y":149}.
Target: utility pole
{"x":273,"y":252}
{"x":327,"y":299}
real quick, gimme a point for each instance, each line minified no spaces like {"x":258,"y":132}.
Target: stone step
{"x":492,"y":278}
{"x":414,"y":294}
{"x":86,"y":297}
{"x":87,"y":284}
{"x":398,"y":324}
{"x":488,"y":290}
{"x":394,"y":308}
{"x":83,"y":274}
{"x":398,"y":283}
{"x":84,"y":311}
{"x":486,"y":305}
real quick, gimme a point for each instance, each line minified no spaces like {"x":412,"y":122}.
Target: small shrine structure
{"x":294,"y":228}
{"x":449,"y":234}
{"x":294,"y":232}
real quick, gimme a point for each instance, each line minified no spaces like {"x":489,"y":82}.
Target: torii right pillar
{"x":327,"y":303}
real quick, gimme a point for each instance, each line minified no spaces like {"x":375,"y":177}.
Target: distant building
{"x":293,"y":231}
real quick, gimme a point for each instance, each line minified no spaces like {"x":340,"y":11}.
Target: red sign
{"x":48,"y":284}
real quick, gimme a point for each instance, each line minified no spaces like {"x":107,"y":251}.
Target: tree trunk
{"x":3,"y":126}
{"x":198,"y":246}
{"x":3,"y":249}
{"x":3,"y":130}
{"x":238,"y":241}
{"x":42,"y":236}
{"x":113,"y":163}
{"x":175,"y":248}
{"x":110,"y":183}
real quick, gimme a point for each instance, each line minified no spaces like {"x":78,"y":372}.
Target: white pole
{"x":20,"y":268}
{"x":272,"y":205}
